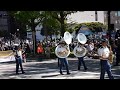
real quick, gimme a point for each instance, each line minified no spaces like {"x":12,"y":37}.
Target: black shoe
{"x":116,"y":65}
{"x":68,"y":73}
{"x":61,"y":73}
{"x":17,"y":73}
{"x":86,"y":69}
{"x":23,"y":72}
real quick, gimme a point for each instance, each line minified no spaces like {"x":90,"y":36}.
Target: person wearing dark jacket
{"x":117,"y":36}
{"x":117,"y":53}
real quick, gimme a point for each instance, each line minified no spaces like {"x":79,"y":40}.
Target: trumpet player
{"x":81,"y":59}
{"x":61,"y":51}
{"x":104,"y":53}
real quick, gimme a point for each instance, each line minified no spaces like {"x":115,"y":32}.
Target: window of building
{"x":116,"y":21}
{"x":118,"y":13}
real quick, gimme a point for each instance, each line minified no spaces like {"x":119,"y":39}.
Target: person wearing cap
{"x":81,"y":59}
{"x":63,"y":61}
{"x":104,"y":53}
{"x":19,"y":59}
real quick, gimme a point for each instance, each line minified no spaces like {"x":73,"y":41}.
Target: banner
{"x":6,"y":56}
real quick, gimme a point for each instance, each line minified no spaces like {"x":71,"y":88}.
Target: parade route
{"x":48,"y":69}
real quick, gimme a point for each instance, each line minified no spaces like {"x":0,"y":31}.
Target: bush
{"x":93,"y":26}
{"x":52,"y":55}
{"x":52,"y":49}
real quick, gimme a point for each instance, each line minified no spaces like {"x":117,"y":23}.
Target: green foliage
{"x":70,"y":27}
{"x":52,"y":49}
{"x":30,"y":18}
{"x":61,"y":17}
{"x":27,"y":17}
{"x":94,"y":26}
{"x":50,"y":24}
{"x":53,"y":21}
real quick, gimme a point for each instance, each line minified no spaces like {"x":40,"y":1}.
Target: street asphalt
{"x":48,"y":69}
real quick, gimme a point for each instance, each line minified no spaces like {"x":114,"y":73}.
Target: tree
{"x":93,"y":26}
{"x":49,"y":19}
{"x":61,"y":16}
{"x":31,"y":18}
{"x":50,"y":25}
{"x":4,"y":33}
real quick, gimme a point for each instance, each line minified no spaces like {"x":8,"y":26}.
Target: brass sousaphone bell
{"x":80,"y":51}
{"x":67,"y":39}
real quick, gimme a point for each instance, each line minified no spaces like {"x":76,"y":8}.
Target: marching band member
{"x":81,"y":59}
{"x":19,"y":59}
{"x":62,"y":50}
{"x":104,"y":53}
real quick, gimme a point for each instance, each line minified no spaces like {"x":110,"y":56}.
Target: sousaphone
{"x":80,"y":51}
{"x":66,"y":39}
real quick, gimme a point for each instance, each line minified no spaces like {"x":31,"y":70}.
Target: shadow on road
{"x":52,"y":67}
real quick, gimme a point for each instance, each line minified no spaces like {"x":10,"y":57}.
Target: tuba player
{"x":62,"y":50}
{"x":80,"y":59}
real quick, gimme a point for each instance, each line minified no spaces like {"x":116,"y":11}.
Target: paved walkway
{"x":49,"y":70}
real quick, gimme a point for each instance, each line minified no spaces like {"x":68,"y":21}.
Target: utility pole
{"x":96,"y":16}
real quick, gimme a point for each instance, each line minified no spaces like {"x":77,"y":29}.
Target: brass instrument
{"x":80,"y":51}
{"x":66,"y":39}
{"x":64,"y":53}
{"x":111,"y":56}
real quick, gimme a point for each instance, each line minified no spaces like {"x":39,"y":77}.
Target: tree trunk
{"x":45,"y":31}
{"x":62,"y":23}
{"x":34,"y":36}
{"x":51,"y":37}
{"x":96,"y":16}
{"x":45,"y":27}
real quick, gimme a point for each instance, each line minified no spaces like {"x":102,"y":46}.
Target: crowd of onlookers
{"x":48,"y":46}
{"x":92,"y":45}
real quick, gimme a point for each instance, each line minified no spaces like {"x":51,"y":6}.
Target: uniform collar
{"x":104,"y":46}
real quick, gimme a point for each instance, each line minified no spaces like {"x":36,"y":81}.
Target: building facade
{"x":3,"y":21}
{"x":115,"y":19}
{"x":87,"y":16}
